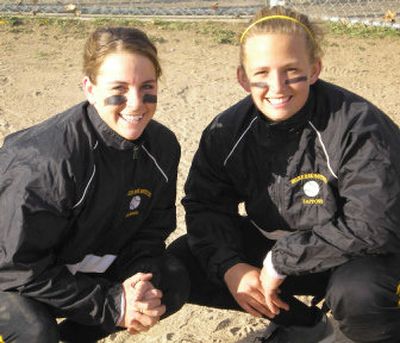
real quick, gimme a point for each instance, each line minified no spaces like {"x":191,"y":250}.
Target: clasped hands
{"x":255,"y":290}
{"x":143,"y":307}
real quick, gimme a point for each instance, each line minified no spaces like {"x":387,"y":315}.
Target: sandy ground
{"x":40,"y":75}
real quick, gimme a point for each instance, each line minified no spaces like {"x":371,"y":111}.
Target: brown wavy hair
{"x":108,"y":40}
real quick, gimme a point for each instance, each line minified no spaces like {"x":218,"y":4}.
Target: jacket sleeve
{"x":34,"y":195}
{"x":211,"y":206}
{"x":368,"y":215}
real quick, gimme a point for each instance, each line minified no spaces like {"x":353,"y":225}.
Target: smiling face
{"x":124,"y":93}
{"x":278,"y":73}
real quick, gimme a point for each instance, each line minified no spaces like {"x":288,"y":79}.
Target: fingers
{"x":249,"y":309}
{"x":141,"y":288}
{"x":137,"y":327}
{"x":254,"y":304}
{"x":132,"y":331}
{"x":256,"y":309}
{"x":275,"y":304}
{"x":156,"y":311}
{"x":140,"y":283}
{"x":143,"y":322}
{"x":262,"y":309}
{"x":281,"y":304}
{"x":258,"y":303}
{"x":139,"y":277}
{"x":270,"y":285}
{"x":150,"y":304}
{"x":146,"y":320}
{"x":244,"y":283}
{"x":272,"y":306}
{"x":153,"y":293}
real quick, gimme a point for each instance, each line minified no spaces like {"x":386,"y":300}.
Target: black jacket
{"x":70,"y":188}
{"x":324,"y":183}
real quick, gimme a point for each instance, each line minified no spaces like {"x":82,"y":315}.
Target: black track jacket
{"x":72,"y":191}
{"x":325,"y":184}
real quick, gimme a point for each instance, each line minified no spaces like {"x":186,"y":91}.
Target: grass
{"x":219,"y":32}
{"x":362,"y":30}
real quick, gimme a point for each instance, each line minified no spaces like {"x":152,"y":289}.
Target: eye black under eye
{"x":115,"y":100}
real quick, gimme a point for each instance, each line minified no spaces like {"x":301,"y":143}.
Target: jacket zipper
{"x":279,"y":194}
{"x":135,"y":152}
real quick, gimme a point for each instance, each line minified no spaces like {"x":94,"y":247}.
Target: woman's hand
{"x":271,"y":292}
{"x":243,"y":281}
{"x":143,"y":307}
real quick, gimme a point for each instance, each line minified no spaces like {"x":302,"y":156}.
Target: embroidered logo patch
{"x":311,"y":189}
{"x":135,"y":202}
{"x":311,"y":185}
{"x":137,"y":195}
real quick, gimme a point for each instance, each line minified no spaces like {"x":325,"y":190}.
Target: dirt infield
{"x":40,"y":75}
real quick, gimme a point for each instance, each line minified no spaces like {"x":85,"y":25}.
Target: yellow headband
{"x":276,"y":17}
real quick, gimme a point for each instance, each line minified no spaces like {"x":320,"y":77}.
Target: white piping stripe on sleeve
{"x":155,"y":162}
{"x":95,"y":145}
{"x":238,"y":141}
{"x":86,"y":188}
{"x":271,"y":235}
{"x":324,"y":149}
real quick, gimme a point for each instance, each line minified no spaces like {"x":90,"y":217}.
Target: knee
{"x":175,"y":284}
{"x":351,"y":299}
{"x":26,"y":320}
{"x":364,"y":314}
{"x":358,"y":290}
{"x":41,"y":330}
{"x":364,"y":304}
{"x":179,"y":248}
{"x":40,"y":327}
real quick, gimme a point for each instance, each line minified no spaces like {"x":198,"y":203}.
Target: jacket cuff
{"x":114,"y":307}
{"x":122,"y":312}
{"x":269,"y":266}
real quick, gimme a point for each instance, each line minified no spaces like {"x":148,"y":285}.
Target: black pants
{"x":361,"y":293}
{"x":24,"y":320}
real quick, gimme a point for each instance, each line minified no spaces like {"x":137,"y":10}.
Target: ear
{"x":315,"y":71}
{"x":88,"y":89}
{"x":242,"y":78}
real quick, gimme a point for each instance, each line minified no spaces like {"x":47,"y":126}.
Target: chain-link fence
{"x":235,"y":8}
{"x":374,"y":12}
{"x":378,"y":12}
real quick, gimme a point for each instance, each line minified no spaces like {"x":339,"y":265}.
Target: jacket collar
{"x":108,"y":136}
{"x":295,"y":122}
